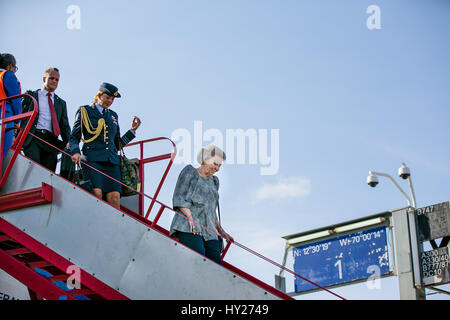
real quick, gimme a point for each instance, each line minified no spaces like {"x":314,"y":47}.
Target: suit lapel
{"x":35,"y":95}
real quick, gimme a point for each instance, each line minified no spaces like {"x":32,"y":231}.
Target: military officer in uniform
{"x":98,"y":127}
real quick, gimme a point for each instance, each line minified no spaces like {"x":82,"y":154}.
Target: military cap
{"x":109,"y":89}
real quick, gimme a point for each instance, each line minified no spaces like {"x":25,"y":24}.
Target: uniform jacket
{"x":61,"y":114}
{"x":10,"y":86}
{"x":108,"y":142}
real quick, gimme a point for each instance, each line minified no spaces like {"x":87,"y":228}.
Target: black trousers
{"x":208,"y":248}
{"x":42,"y":153}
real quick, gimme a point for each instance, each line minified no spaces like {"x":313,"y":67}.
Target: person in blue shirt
{"x":99,"y":127}
{"x":9,"y":87}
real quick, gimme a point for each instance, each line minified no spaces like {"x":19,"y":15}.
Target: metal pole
{"x":395,"y":183}
{"x":414,"y":241}
{"x":412,"y":192}
{"x":280,"y":280}
{"x":414,"y":248}
{"x":141,"y":177}
{"x":286,"y":250}
{"x":403,"y":252}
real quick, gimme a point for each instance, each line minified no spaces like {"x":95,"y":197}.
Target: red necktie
{"x":55,"y":125}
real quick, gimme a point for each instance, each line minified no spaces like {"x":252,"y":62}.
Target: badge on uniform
{"x":114,"y":120}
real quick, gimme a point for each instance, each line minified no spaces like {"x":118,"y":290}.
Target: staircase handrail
{"x":20,"y":139}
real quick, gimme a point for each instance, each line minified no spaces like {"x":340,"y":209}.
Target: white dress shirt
{"x":45,"y":117}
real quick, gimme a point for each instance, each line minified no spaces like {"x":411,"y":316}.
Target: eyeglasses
{"x":16,"y":68}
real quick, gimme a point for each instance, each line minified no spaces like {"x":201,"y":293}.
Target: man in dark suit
{"x":50,"y":123}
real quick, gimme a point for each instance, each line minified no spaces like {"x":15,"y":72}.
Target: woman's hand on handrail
{"x":76,"y":158}
{"x":227,"y":237}
{"x":222,"y":232}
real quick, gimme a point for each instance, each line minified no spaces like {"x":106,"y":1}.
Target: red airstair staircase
{"x":46,"y":244}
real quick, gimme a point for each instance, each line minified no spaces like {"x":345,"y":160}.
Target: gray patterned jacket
{"x":201,"y":196}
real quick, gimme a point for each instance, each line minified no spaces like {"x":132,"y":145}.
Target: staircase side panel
{"x":162,"y":269}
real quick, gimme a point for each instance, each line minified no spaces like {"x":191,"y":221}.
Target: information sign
{"x":433,"y":221}
{"x":435,"y":266}
{"x":342,"y":259}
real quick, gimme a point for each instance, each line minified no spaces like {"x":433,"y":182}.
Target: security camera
{"x":372,"y":180}
{"x":403,"y":172}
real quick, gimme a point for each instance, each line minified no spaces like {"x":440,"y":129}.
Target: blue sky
{"x":344,"y":99}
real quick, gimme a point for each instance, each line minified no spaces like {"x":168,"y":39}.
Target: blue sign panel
{"x":346,"y":258}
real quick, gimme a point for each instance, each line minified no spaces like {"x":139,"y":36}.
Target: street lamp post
{"x":405,"y":265}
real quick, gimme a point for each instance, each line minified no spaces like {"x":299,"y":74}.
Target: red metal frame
{"x":225,"y":250}
{"x":36,"y":282}
{"x":143,"y":161}
{"x":20,"y":138}
{"x":26,"y":198}
{"x":30,"y":278}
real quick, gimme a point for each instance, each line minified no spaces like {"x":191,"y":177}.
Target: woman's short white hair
{"x":208,"y":152}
